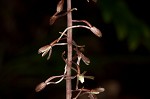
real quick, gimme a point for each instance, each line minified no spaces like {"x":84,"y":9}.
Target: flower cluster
{"x":77,"y":57}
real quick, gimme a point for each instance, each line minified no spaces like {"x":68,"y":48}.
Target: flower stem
{"x":69,"y":56}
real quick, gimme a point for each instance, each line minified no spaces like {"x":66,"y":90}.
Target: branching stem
{"x":70,"y":28}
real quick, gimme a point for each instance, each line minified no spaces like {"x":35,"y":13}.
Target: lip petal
{"x":44,"y":53}
{"x":81,"y":78}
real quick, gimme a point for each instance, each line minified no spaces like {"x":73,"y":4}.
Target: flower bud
{"x":40,"y":87}
{"x":96,"y":31}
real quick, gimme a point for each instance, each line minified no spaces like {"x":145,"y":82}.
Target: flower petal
{"x":44,"y":48}
{"x":81,"y":78}
{"x":50,"y":52}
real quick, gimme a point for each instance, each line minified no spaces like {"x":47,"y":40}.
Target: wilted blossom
{"x":44,"y":50}
{"x":48,"y":48}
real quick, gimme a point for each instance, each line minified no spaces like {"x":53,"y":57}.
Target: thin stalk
{"x":69,"y":56}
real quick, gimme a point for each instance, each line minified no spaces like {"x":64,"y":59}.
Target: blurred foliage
{"x":128,"y":26}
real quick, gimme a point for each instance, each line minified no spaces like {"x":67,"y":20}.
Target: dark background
{"x":119,"y":60}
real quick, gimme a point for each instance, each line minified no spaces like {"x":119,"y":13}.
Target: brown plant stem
{"x":69,"y":56}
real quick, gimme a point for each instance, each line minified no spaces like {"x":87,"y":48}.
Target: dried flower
{"x":48,"y":48}
{"x":40,"y":87}
{"x":96,"y":31}
{"x":44,"y":50}
{"x":81,"y":56}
